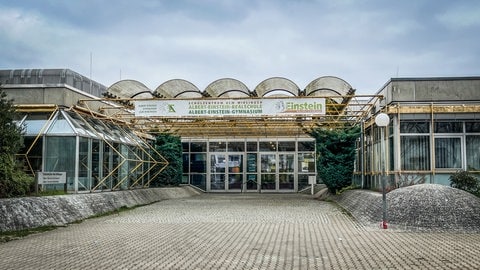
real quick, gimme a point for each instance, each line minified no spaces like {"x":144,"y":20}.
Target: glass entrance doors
{"x":277,"y":172}
{"x":270,"y":172}
{"x":226,"y":171}
{"x":250,"y":165}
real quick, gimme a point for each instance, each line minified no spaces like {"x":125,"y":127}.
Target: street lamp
{"x":382,"y":120}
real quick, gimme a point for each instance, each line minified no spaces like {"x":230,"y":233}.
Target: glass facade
{"x":420,"y":151}
{"x":95,"y":155}
{"x":250,"y":165}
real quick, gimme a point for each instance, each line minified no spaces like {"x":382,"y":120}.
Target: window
{"x":448,"y":153}
{"x":252,"y":146}
{"x":286,"y":146}
{"x":306,"y":146}
{"x":217,"y":146}
{"x":236,"y":146}
{"x":473,"y":152}
{"x":198,"y":146}
{"x":268,"y":146}
{"x":414,"y":127}
{"x":448,"y":127}
{"x":472,"y":127}
{"x":415,"y":153}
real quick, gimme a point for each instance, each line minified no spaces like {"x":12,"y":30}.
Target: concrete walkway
{"x":237,"y":231}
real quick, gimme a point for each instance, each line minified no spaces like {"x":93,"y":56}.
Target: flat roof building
{"x":237,"y":139}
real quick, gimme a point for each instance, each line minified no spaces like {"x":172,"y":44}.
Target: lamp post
{"x":382,"y":120}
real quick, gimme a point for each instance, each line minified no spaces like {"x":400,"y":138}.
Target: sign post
{"x":312,"y":179}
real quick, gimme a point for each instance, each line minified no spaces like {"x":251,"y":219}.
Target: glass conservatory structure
{"x":95,"y":154}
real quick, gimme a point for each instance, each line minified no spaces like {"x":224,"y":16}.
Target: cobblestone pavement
{"x":237,"y":231}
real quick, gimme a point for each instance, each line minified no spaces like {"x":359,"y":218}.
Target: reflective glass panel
{"x":448,"y":153}
{"x":252,"y":183}
{"x":473,"y":152}
{"x":286,"y":181}
{"x":252,"y":146}
{"x":448,"y":127}
{"x":286,"y":163}
{"x":60,"y":126}
{"x":286,"y":146}
{"x":269,"y":146}
{"x":306,"y":146}
{"x":236,"y":146}
{"x":414,"y":127}
{"x":217,"y":146}
{"x":60,"y":157}
{"x":306,"y":162}
{"x":268,"y":181}
{"x":198,"y":163}
{"x":472,"y":127}
{"x":268,"y":163}
{"x":198,"y":147}
{"x":415,"y":152}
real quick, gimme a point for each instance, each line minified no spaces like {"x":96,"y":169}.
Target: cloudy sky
{"x":365,"y":42}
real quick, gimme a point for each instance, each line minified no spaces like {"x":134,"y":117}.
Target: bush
{"x":336,"y":156}
{"x":170,"y":147}
{"x":13,"y":181}
{"x":465,"y":181}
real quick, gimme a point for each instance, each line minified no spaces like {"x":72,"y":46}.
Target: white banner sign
{"x":51,"y":178}
{"x":231,"y":107}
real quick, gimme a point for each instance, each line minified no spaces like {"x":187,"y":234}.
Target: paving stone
{"x":238,"y":231}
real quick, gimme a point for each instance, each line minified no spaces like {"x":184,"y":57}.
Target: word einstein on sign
{"x":230,"y":107}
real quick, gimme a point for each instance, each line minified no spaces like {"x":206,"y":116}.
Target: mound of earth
{"x":432,"y":206}
{"x":428,"y":207}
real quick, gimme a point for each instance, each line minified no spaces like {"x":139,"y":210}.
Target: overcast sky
{"x":363,"y":42}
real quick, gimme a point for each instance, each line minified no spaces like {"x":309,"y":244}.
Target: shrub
{"x":13,"y":181}
{"x":336,"y":156}
{"x":465,"y":181}
{"x":170,"y":147}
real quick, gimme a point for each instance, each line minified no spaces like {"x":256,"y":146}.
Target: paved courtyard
{"x":237,"y":231}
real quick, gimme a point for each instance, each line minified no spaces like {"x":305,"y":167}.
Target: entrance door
{"x":277,"y":172}
{"x":251,"y":183}
{"x":226,"y":172}
{"x":235,"y":172}
{"x":286,"y":171}
{"x":268,"y":172}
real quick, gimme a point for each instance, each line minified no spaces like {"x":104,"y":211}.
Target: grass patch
{"x":51,"y":192}
{"x":13,"y":235}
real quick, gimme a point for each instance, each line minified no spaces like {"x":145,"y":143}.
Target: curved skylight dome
{"x":227,"y":88}
{"x":178,"y":88}
{"x":277,"y":87}
{"x":329,"y":86}
{"x":128,"y":89}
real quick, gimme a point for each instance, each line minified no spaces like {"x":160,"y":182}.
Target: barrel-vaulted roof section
{"x":277,"y":86}
{"x":178,"y":88}
{"x":127,"y":89}
{"x":227,"y":88}
{"x":342,"y":107}
{"x":329,"y":86}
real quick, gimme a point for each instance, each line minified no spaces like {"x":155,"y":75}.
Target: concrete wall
{"x":31,"y":212}
{"x":52,"y":94}
{"x":433,"y":90}
{"x":61,"y":95}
